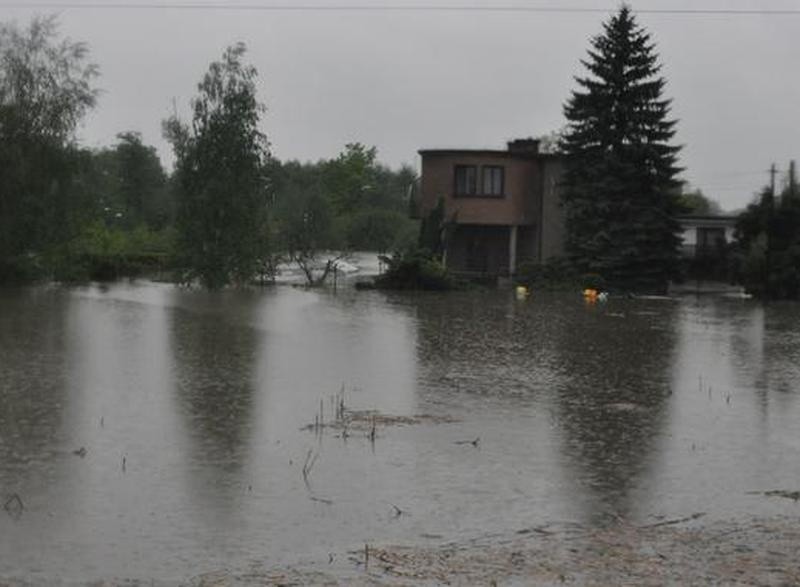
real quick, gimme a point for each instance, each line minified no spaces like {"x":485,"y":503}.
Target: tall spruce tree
{"x":620,"y":191}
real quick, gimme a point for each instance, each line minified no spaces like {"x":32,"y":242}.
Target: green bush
{"x":21,"y":269}
{"x":101,"y":253}
{"x":375,"y":229}
{"x":416,"y":269}
{"x":554,"y":274}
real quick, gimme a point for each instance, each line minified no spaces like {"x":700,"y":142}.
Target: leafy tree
{"x":307,"y":228}
{"x":348,"y":202}
{"x":433,"y":231}
{"x":142,"y":182}
{"x":45,"y":90}
{"x":696,"y":202}
{"x":377,"y":229}
{"x":222,"y":216}
{"x":550,"y":143}
{"x":767,"y":243}
{"x":349,"y":177}
{"x":103,"y":184}
{"x":130,"y":185}
{"x":620,"y":191}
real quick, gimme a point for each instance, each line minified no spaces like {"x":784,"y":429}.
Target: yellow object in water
{"x":590,"y":294}
{"x":522,"y":292}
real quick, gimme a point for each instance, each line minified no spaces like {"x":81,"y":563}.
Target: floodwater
{"x":190,"y":407}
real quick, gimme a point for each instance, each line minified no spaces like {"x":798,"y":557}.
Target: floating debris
{"x":80,"y":452}
{"x":14,"y":506}
{"x":321,"y":500}
{"x":691,"y":518}
{"x":311,"y":458}
{"x":365,"y":420}
{"x":625,"y":407}
{"x":474,"y":443}
{"x":793,"y":495}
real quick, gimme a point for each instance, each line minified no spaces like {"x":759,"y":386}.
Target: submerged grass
{"x":346,"y":421}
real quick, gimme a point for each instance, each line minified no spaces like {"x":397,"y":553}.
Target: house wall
{"x":552,"y":213}
{"x":517,"y":207}
{"x":527,"y":245}
{"x":689,"y":234}
{"x":531,"y":203}
{"x":690,"y":225}
{"x":479,"y":249}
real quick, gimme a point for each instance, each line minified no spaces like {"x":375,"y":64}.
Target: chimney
{"x":527,"y":146}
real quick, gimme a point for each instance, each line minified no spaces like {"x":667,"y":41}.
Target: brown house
{"x":502,"y":207}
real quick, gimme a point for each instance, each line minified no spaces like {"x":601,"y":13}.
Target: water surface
{"x":190,"y":407}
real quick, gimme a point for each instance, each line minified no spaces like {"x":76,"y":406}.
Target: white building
{"x":705,"y":234}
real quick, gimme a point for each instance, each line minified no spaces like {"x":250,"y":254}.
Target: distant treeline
{"x":115,"y":212}
{"x":229,"y":212}
{"x":766,"y":253}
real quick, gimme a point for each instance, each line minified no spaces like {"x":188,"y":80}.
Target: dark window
{"x":710,"y":238}
{"x":493,"y":178}
{"x":466,"y":180}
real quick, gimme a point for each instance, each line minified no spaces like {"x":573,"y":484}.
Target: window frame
{"x":457,"y":191}
{"x":501,"y":192}
{"x":480,"y":173}
{"x":710,"y":238}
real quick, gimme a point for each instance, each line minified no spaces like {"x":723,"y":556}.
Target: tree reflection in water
{"x":612,"y":401}
{"x":214,"y":363}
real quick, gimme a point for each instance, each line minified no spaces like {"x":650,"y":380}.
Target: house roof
{"x":489,"y":152}
{"x":465,"y":152}
{"x":707,"y":219}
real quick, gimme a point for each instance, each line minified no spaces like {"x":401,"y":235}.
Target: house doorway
{"x":477,"y":254}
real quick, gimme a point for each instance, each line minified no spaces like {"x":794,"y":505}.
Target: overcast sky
{"x":405,"y":80}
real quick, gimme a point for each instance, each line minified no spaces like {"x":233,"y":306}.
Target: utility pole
{"x":767,"y":219}
{"x":773,"y":171}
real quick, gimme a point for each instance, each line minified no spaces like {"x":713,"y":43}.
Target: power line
{"x":744,"y":188}
{"x":511,"y":8}
{"x":726,"y":175}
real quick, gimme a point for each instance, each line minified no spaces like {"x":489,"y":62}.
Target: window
{"x":710,"y":239}
{"x":493,"y":180}
{"x":466,"y":180}
{"x":490,"y":184}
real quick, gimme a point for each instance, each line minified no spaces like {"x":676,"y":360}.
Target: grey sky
{"x":407,"y":80}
